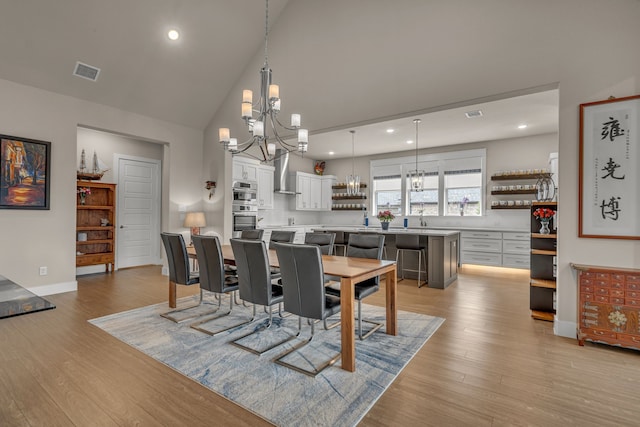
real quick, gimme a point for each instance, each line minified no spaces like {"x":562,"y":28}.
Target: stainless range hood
{"x":281,"y":174}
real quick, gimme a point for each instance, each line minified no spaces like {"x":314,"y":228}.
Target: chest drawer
{"x":598,"y":333}
{"x":632,"y":294}
{"x":587,"y":289}
{"x":633,"y":286}
{"x":594,"y":281}
{"x":632,"y":278}
{"x":487,"y":258}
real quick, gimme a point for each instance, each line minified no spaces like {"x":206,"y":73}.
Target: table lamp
{"x":194,"y":220}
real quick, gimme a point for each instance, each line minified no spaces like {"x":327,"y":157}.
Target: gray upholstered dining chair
{"x":363,"y":246}
{"x":212,"y":276}
{"x":323,"y":240}
{"x":252,"y":234}
{"x":280,"y":236}
{"x":256,"y":285}
{"x":179,"y":271}
{"x":304,"y":294}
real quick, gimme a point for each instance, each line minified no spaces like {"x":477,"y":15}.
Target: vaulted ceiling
{"x":142,"y":71}
{"x":221,"y":43}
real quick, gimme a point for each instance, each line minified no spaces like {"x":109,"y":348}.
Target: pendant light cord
{"x":353,"y":153}
{"x":266,"y":35}
{"x":417,"y":122}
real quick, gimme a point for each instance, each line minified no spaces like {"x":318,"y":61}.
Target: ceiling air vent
{"x":86,"y":71}
{"x":473,"y":114}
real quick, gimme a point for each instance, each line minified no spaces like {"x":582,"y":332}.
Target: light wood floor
{"x":490,"y":364}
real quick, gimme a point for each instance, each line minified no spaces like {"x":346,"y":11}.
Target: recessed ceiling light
{"x":409,"y":141}
{"x":473,"y":114}
{"x":390,"y":130}
{"x":331,"y":153}
{"x":173,"y":34}
{"x":522,"y":127}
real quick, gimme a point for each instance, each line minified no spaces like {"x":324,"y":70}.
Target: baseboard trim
{"x":564,"y":328}
{"x":55,"y":288}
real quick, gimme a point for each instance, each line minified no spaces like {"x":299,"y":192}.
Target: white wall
{"x":395,"y":57}
{"x":507,"y":154}
{"x":31,"y":239}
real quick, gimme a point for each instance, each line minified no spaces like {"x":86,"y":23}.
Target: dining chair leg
{"x":376,"y":326}
{"x":312,"y":373}
{"x":170,"y":315}
{"x":236,"y":342}
{"x":198,"y":325}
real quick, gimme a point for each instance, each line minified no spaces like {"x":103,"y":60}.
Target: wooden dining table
{"x":351,"y":271}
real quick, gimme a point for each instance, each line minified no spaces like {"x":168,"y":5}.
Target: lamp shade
{"x":194,"y":219}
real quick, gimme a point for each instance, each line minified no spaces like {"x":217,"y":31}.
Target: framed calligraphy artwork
{"x":25,"y":173}
{"x":609,"y":194}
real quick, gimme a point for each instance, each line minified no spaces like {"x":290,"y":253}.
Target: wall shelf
{"x":528,"y":191}
{"x":344,"y":186}
{"x":511,"y":207}
{"x":520,"y":176}
{"x":542,"y":284}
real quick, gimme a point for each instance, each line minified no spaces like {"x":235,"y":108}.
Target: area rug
{"x":280,"y":395}
{"x":16,"y":300}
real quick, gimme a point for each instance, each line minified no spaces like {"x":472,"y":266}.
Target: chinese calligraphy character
{"x":613,"y":209}
{"x":611,"y":129}
{"x":611,"y":167}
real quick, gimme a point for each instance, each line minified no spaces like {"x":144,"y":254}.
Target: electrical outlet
{"x":43,"y":271}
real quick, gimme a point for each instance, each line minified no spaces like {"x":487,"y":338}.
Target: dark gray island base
{"x":442,"y":251}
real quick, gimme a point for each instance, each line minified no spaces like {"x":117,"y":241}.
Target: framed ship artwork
{"x":25,"y":173}
{"x":609,"y":200}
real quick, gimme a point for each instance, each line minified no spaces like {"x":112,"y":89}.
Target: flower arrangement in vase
{"x":83,"y":192}
{"x":544,"y":215}
{"x":385,"y":218}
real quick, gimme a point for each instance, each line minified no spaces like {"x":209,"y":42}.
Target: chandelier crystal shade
{"x":353,"y":180}
{"x":261,"y":117}
{"x":416,"y":176}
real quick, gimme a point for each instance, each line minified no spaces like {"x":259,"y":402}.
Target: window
{"x":387,"y":194}
{"x":453,"y":184}
{"x":463,"y":186}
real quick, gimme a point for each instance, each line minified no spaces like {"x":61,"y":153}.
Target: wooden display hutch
{"x":608,"y":305}
{"x":100,"y":205}
{"x":543,"y":267}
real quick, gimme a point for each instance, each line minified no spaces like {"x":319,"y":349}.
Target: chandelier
{"x":417,"y":176}
{"x":353,"y":180}
{"x":261,"y":118}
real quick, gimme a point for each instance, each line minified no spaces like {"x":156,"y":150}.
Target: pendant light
{"x":353,"y":180}
{"x":417,"y":176}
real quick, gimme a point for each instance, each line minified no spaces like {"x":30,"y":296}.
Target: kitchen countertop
{"x":392,"y":230}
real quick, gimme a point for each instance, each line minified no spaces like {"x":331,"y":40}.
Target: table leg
{"x":172,"y":294}
{"x":348,"y":335}
{"x":392,"y":310}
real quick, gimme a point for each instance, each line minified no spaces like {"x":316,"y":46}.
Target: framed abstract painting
{"x":25,"y":173}
{"x":609,"y":200}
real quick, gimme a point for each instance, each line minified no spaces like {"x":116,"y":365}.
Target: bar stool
{"x":411,"y":242}
{"x":339,"y":242}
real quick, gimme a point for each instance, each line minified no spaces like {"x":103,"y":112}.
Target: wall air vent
{"x":473,"y":114}
{"x":86,"y":71}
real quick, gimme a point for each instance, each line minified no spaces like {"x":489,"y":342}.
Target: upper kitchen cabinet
{"x":251,"y":170}
{"x":314,"y":191}
{"x":245,"y":169}
{"x":265,"y":187}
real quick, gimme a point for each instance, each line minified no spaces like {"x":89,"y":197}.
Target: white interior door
{"x":138,"y":211}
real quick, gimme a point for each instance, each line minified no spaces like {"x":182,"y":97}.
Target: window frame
{"x":406,"y":164}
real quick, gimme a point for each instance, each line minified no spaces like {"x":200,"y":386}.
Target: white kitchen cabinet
{"x":314,"y":192}
{"x":327,"y":192}
{"x":504,"y":249}
{"x":245,"y":169}
{"x":265,"y":187}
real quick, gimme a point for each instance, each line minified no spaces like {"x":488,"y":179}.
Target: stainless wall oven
{"x":245,"y":193}
{"x":245,"y":206}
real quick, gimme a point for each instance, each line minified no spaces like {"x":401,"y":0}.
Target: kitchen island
{"x":442,"y":250}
